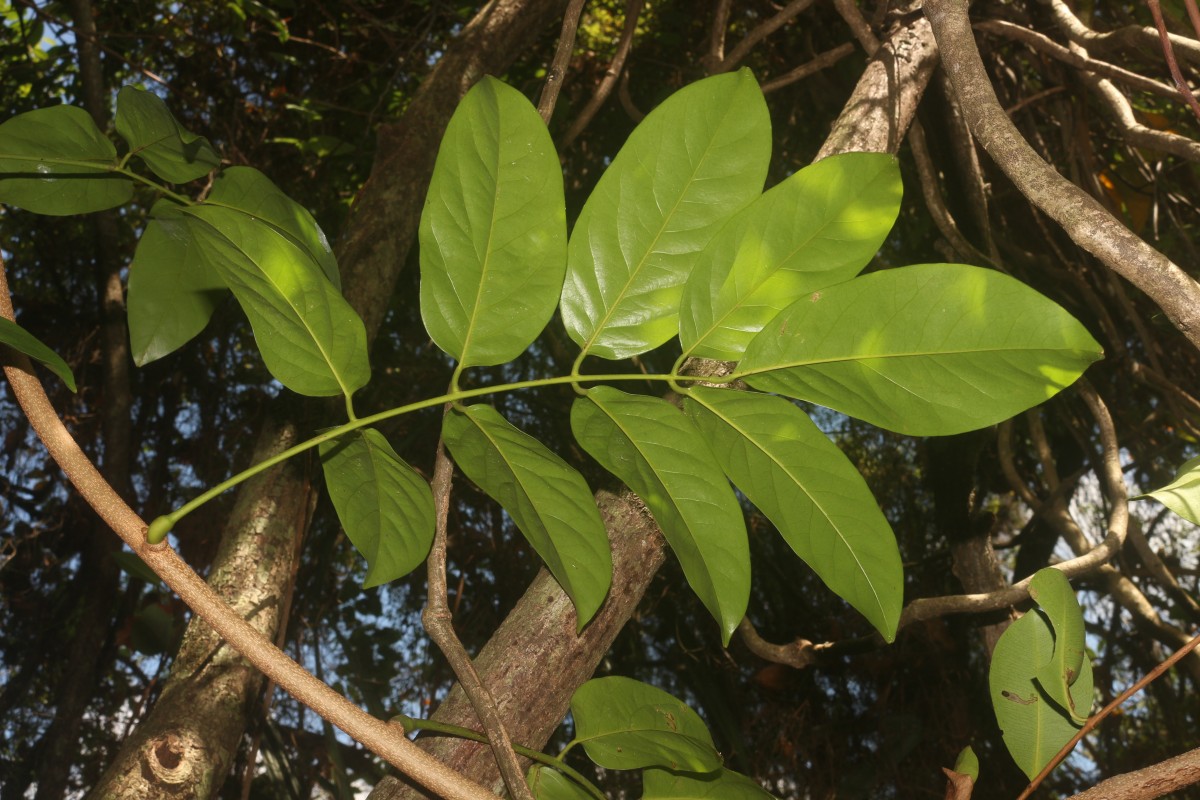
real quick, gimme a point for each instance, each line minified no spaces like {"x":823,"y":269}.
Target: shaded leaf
{"x":384,"y":505}
{"x":21,"y":340}
{"x":659,"y":454}
{"x":56,"y":161}
{"x":1181,"y":495}
{"x":818,"y":228}
{"x":249,"y":191}
{"x":627,"y":724}
{"x":1053,"y":592}
{"x":548,"y":500}
{"x":689,"y":165}
{"x":311,"y":339}
{"x":1034,"y":728}
{"x":967,"y":763}
{"x":156,"y":137}
{"x":723,"y":784}
{"x":926,"y":350}
{"x":817,"y":499}
{"x":550,"y":784}
{"x":173,"y":289}
{"x":493,"y":231}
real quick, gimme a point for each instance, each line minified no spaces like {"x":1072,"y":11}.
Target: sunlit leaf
{"x":1034,"y":727}
{"x":548,"y":500}
{"x":311,"y":340}
{"x":384,"y":505}
{"x":493,"y":231}
{"x":723,"y":784}
{"x":658,"y":453}
{"x":21,"y":340}
{"x":173,"y":290}
{"x":249,"y":191}
{"x":819,"y":227}
{"x":56,"y":161}
{"x":550,"y":784}
{"x":817,"y":499}
{"x":627,"y":724}
{"x":926,"y":350}
{"x":689,"y":165}
{"x":156,"y":137}
{"x":1053,"y":592}
{"x":1181,"y":495}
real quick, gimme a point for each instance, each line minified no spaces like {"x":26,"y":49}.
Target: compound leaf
{"x":819,"y":227}
{"x":927,"y":350}
{"x":548,"y":500}
{"x":803,"y":483}
{"x":155,"y":136}
{"x":21,"y":340}
{"x":311,"y":339}
{"x":657,"y":452}
{"x":493,"y":231}
{"x":689,"y":165}
{"x":56,"y":161}
{"x":173,"y":289}
{"x":627,"y":724}
{"x":384,"y":505}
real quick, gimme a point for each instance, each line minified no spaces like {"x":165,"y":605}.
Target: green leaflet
{"x":384,"y":505}
{"x":311,"y":339}
{"x":1181,"y":495}
{"x":23,"y":341}
{"x":627,"y":724}
{"x":63,"y":164}
{"x":658,"y":453}
{"x":173,"y":290}
{"x":548,"y":500}
{"x":1034,"y":728}
{"x":967,"y":763}
{"x":723,"y":784}
{"x":1053,"y":592}
{"x":550,"y":784}
{"x":493,"y":231}
{"x":156,"y":137}
{"x":927,"y":350}
{"x":690,"y":164}
{"x":803,"y":483}
{"x":818,"y":228}
{"x":249,"y":191}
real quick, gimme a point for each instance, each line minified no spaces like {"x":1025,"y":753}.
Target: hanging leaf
{"x":550,"y":784}
{"x":723,"y":784}
{"x":818,"y":228}
{"x":1053,"y":592}
{"x":690,"y":164}
{"x":493,"y":231}
{"x":548,"y":500}
{"x":1034,"y":727}
{"x":249,"y":191}
{"x":173,"y":290}
{"x":384,"y":505}
{"x":156,"y":137}
{"x":627,"y":724}
{"x":927,"y":350}
{"x":659,"y":454}
{"x":1181,"y":495}
{"x":56,"y":161}
{"x":803,"y":483}
{"x":311,"y":339}
{"x":23,"y":341}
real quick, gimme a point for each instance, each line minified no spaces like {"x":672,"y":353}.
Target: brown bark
{"x":191,"y":734}
{"x":1145,"y":784}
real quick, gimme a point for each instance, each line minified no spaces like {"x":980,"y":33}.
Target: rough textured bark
{"x":169,"y":752}
{"x":535,"y":661}
{"x":1145,"y":784}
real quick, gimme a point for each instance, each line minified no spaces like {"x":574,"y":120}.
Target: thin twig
{"x":1107,"y":710}
{"x":562,"y":57}
{"x":633,"y":9}
{"x":812,"y":67}
{"x":859,"y":26}
{"x":716,"y":36}
{"x":1119,"y":38}
{"x":376,"y":735}
{"x":1169,"y":53}
{"x":440,"y":627}
{"x":762,"y":31}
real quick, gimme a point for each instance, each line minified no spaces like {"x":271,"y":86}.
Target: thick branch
{"x":1146,"y":784}
{"x":1121,"y":39}
{"x":1084,"y":220}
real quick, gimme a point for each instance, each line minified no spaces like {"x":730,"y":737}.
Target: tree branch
{"x":633,"y":9}
{"x":1119,"y":39}
{"x":562,"y":57}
